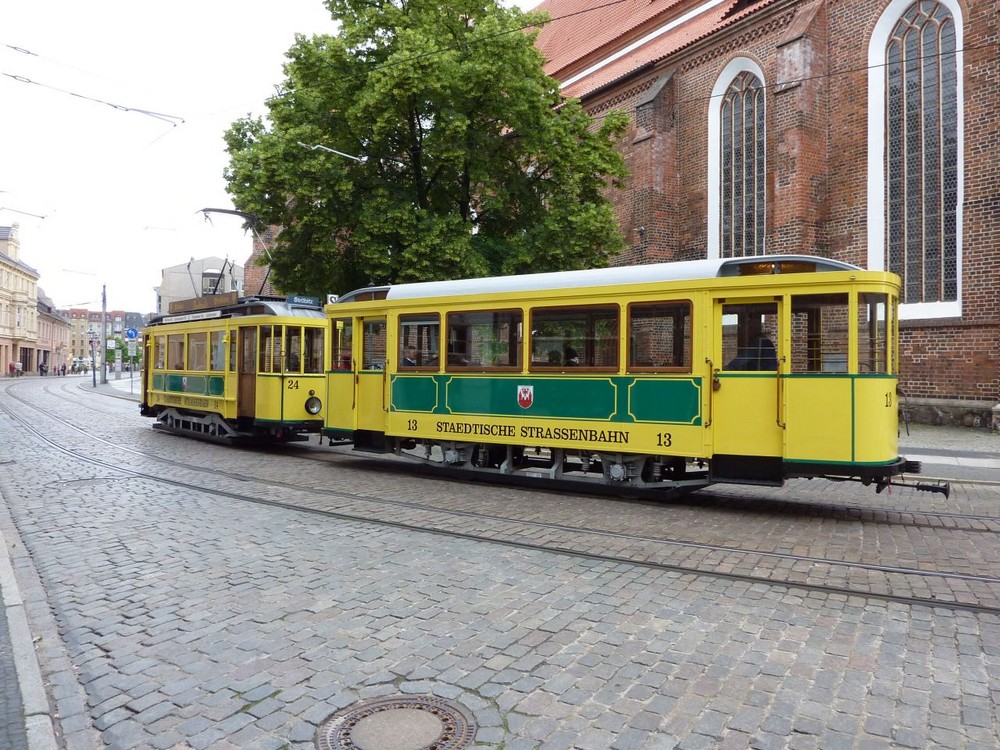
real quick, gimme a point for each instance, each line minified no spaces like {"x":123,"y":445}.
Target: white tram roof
{"x":655,"y":272}
{"x":245,"y":306}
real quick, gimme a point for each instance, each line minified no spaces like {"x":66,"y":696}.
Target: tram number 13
{"x":664,"y":439}
{"x":411,"y":424}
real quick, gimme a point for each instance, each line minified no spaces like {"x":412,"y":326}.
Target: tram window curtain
{"x":270,"y":349}
{"x":198,"y":351}
{"x":161,"y":352}
{"x":175,"y":351}
{"x":217,"y":347}
{"x":574,"y":337}
{"x":820,"y":333}
{"x":485,"y":339}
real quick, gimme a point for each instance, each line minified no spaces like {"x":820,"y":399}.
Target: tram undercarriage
{"x":640,"y":471}
{"x":211,"y":426}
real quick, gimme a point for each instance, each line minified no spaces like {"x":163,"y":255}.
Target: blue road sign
{"x":131,"y":334}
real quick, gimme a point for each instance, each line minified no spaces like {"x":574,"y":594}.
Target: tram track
{"x":908,"y":585}
{"x":726,"y":498}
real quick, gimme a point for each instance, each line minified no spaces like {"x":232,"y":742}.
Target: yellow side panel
{"x":371,"y":401}
{"x":268,"y":397}
{"x":876,"y":419}
{"x":340,"y":400}
{"x":744,"y":416}
{"x":818,"y":418}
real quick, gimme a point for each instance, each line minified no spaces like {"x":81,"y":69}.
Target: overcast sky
{"x":112,"y":130}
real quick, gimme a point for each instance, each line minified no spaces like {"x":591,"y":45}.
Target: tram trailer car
{"x":220,"y":368}
{"x":673,"y":376}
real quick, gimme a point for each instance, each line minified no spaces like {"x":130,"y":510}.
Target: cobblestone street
{"x":180,"y":619}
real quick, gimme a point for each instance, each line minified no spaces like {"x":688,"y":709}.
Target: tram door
{"x":371,"y":386}
{"x":246,"y":398}
{"x":357,"y":388}
{"x":341,"y":397}
{"x":747,"y":423}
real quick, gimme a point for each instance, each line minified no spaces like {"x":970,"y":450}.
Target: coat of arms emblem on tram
{"x":525,"y":396}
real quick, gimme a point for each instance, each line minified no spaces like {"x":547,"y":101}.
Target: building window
{"x":736,"y":180}
{"x":915,"y":165}
{"x":921,"y":155}
{"x":742,"y":170}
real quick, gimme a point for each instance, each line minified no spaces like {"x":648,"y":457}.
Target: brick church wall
{"x":815,"y":61}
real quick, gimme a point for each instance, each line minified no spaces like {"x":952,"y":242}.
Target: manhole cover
{"x":418,"y":722}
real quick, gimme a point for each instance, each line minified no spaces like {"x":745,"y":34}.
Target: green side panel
{"x":413,"y":393}
{"x":665,"y":401}
{"x":564,"y":398}
{"x":195,"y":385}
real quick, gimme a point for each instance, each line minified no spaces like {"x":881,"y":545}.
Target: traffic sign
{"x":131,"y":334}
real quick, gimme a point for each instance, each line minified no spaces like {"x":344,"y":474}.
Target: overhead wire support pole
{"x":104,"y":334}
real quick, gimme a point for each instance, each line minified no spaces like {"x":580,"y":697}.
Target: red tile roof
{"x":585,"y":33}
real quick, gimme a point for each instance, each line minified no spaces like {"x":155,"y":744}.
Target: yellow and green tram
{"x":222,"y":368}
{"x":675,"y":375}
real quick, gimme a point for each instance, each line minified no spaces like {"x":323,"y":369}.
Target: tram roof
{"x":246,"y":306}
{"x":655,"y":272}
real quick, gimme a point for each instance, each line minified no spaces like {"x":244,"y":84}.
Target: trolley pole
{"x":104,"y":335}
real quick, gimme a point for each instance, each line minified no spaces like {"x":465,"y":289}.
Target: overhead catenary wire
{"x":174,"y":120}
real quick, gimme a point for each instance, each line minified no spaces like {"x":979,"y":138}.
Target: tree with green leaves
{"x":424,"y":142}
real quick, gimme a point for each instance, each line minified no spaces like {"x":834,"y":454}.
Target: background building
{"x":861,"y":130}
{"x":52,"y":346}
{"x":197,"y":278}
{"x":18,"y":305}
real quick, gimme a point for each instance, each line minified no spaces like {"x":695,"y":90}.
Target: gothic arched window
{"x":742,"y":172}
{"x":922,"y":154}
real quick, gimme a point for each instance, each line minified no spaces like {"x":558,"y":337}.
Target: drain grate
{"x":404,"y":722}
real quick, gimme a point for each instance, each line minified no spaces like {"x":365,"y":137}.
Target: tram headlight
{"x":313,"y":405}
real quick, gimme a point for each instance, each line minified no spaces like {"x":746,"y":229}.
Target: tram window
{"x":232,"y":351}
{"x":874,"y":327}
{"x":420,"y":341}
{"x":197,"y":351}
{"x":574,"y":337}
{"x":748,"y":335}
{"x":312,"y":342}
{"x":820,"y":326}
{"x":342,"y":330}
{"x":217,"y":347}
{"x":293,"y":349}
{"x":270,"y":349}
{"x":485,"y":339}
{"x":660,"y":336}
{"x":175,"y":351}
{"x":161,"y":352}
{"x":373,"y":345}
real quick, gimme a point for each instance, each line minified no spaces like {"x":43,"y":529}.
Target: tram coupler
{"x":943,"y":488}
